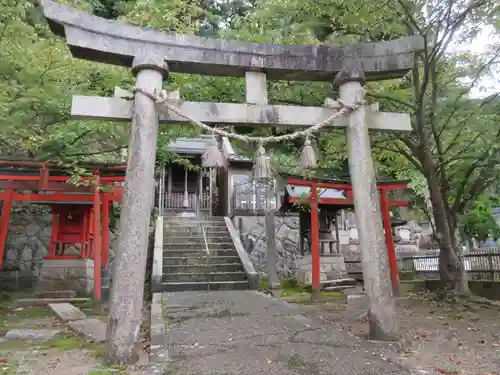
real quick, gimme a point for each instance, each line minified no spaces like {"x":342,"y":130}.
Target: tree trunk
{"x":451,"y":268}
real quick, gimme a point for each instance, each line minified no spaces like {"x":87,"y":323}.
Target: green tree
{"x":453,"y":145}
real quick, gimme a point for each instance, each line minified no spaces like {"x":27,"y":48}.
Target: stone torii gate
{"x":152,"y":55}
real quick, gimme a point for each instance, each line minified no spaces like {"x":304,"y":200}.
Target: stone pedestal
{"x":66,"y":274}
{"x":331,"y":268}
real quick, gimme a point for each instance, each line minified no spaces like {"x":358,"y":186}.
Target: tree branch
{"x":395,"y":100}
{"x":96,"y":152}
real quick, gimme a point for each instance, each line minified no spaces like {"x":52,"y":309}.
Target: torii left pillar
{"x":130,"y":263}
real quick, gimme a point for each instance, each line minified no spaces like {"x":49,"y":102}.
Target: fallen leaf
{"x":445,"y":372}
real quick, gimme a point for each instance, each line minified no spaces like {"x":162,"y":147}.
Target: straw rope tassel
{"x":308,"y":157}
{"x":212,"y":157}
{"x":261,"y":167}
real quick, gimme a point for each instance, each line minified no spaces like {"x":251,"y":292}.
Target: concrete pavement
{"x":246,"y":332}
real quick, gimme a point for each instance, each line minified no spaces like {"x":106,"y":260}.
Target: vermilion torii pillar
{"x":148,"y":51}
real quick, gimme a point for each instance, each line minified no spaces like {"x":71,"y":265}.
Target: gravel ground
{"x":448,"y":337}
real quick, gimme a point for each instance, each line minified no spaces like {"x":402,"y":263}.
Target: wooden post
{"x":315,"y":244}
{"x":389,"y":241}
{"x":337,"y":234}
{"x":185,"y":202}
{"x":491,"y":266}
{"x":210,"y":178}
{"x":105,"y":230}
{"x":200,"y":184}
{"x":44,"y":178}
{"x":169,"y":187}
{"x":4,"y":223}
{"x":97,"y":239}
{"x":53,"y":237}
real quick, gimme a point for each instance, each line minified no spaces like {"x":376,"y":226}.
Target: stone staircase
{"x":186,"y":263}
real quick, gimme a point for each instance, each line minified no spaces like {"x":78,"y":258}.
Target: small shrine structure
{"x":325,"y":196}
{"x":79,"y":242}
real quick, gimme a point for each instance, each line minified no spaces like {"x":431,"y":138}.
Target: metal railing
{"x":194,"y":201}
{"x":207,"y":257}
{"x":205,"y":239}
{"x":251,"y":197}
{"x":480,"y":264}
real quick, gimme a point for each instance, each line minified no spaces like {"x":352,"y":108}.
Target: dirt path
{"x":448,"y":337}
{"x":64,"y":354}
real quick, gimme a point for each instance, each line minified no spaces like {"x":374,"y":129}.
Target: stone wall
{"x":28,"y":238}
{"x":287,"y":241}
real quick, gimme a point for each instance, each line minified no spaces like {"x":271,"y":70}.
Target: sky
{"x":480,"y":45}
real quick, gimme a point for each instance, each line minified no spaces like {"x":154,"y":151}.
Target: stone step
{"x":338,"y":282}
{"x":185,"y":230}
{"x":198,"y":286}
{"x":339,"y":288}
{"x":199,"y":240}
{"x":203,"y":268}
{"x":182,"y":232}
{"x":55,"y":294}
{"x":194,"y":218}
{"x":191,"y":253}
{"x":187,"y":261}
{"x":33,"y":302}
{"x":193,"y":246}
{"x":194,"y":222}
{"x":204,"y":277}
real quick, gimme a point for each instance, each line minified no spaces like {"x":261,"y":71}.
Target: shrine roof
{"x":197,"y":145}
{"x":329,"y":175}
{"x":298,"y":191}
{"x":22,"y":166}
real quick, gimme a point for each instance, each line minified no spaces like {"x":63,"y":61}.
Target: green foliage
{"x":453,"y":147}
{"x":479,"y":222}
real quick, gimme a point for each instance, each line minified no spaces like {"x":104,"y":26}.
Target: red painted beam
{"x":65,"y":179}
{"x":57,"y":197}
{"x":339,"y":186}
{"x":51,"y":186}
{"x":346,"y":202}
{"x":18,"y":163}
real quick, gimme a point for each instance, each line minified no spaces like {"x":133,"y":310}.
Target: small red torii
{"x":75,"y":207}
{"x":318,"y":183}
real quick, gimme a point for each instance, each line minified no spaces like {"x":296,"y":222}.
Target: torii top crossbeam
{"x":117,"y":43}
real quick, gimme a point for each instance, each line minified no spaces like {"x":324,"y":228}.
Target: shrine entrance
{"x":80,"y":211}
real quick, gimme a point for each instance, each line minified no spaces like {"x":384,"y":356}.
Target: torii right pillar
{"x":375,"y":264}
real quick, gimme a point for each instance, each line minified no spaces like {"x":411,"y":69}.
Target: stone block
{"x":331,"y":267}
{"x":357,"y":304}
{"x":92,"y":329}
{"x":67,"y":274}
{"x":31,"y":334}
{"x":67,"y":312}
